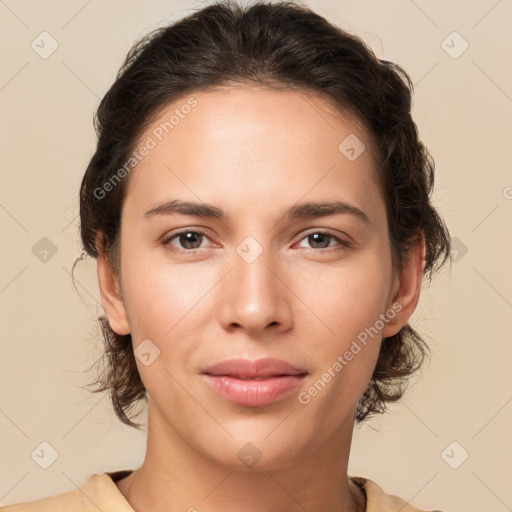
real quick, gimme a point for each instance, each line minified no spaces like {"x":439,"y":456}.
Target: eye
{"x":323,"y":238}
{"x":189,"y":240}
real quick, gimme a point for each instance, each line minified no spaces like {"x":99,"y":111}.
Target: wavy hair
{"x":277,"y":45}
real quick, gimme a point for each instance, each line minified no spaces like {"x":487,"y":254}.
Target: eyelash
{"x":166,"y":242}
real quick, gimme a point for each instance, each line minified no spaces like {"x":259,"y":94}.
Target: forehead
{"x":253,"y":145}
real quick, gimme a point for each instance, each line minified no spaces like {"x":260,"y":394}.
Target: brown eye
{"x":188,"y":240}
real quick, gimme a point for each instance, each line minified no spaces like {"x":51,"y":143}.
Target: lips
{"x":254,"y":383}
{"x":257,"y":369}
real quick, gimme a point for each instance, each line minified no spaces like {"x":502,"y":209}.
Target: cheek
{"x":344,"y":301}
{"x":166,"y":305}
{"x":344,"y":335}
{"x":160,"y":293}
{"x":335,"y":301}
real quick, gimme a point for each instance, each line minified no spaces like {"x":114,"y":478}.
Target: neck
{"x":175,"y":477}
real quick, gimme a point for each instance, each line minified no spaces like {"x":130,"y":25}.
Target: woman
{"x":258,"y":205}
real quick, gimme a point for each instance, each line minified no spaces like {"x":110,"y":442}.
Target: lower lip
{"x":254,"y":393}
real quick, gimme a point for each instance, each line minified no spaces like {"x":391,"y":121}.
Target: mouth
{"x":254,"y":383}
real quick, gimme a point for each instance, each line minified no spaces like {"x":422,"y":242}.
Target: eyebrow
{"x":298,"y":211}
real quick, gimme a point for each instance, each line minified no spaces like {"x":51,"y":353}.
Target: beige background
{"x":463,"y":108}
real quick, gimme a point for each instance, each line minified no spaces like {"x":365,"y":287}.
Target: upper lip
{"x":258,"y":368}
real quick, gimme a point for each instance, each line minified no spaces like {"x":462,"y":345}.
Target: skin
{"x":253,"y":152}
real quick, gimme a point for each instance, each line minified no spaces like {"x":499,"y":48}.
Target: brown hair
{"x":267,"y":44}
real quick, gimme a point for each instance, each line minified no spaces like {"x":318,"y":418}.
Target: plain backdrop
{"x":458,"y":56}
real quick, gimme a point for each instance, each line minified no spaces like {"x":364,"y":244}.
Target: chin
{"x":260,"y":451}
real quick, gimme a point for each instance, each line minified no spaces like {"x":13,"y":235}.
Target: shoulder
{"x":378,"y":501}
{"x":97,"y":492}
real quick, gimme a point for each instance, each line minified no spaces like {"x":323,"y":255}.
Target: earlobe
{"x":111,"y":295}
{"x":407,"y":285}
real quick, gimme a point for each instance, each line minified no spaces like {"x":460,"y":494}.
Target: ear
{"x":110,"y":290}
{"x":406,"y":289}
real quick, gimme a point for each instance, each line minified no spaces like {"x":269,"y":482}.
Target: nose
{"x":255,"y":295}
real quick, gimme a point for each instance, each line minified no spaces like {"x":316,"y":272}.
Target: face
{"x":250,"y":274}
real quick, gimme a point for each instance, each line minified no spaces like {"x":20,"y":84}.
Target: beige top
{"x":99,"y":492}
